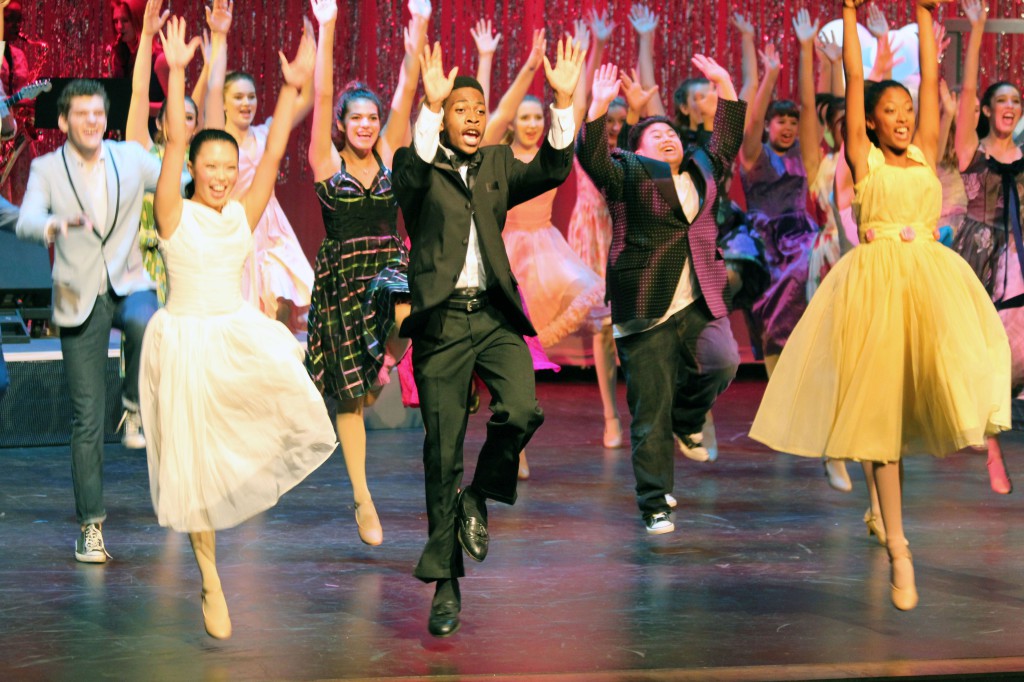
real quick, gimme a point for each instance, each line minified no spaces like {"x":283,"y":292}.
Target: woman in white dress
{"x":232,"y":418}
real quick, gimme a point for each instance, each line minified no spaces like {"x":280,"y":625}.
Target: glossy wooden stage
{"x":769,"y":575}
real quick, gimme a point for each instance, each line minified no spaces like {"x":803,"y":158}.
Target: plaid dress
{"x":360,"y":276}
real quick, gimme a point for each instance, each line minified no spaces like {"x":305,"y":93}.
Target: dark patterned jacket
{"x":651,"y":237}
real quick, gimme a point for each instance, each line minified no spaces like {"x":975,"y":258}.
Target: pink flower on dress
{"x":907,"y":234}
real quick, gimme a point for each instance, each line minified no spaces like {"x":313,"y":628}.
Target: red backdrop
{"x":369,"y":47}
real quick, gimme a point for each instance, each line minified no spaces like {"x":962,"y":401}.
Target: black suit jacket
{"x":651,"y":237}
{"x":437,"y":206}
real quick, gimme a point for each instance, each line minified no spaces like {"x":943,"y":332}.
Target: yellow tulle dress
{"x":901,"y":350}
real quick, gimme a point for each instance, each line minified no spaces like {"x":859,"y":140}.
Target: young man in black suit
{"x":466,"y":312}
{"x":667,"y":280}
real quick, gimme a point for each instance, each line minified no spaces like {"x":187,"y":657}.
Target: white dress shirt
{"x":427,"y":139}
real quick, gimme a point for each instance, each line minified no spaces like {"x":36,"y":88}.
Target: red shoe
{"x":997,"y":476}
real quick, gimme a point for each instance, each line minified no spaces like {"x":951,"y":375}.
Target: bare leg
{"x":890,"y":496}
{"x":524,"y":468}
{"x":873,"y":516}
{"x":352,"y":436}
{"x":604,"y":364}
{"x":998,"y":478}
{"x":215,"y":607}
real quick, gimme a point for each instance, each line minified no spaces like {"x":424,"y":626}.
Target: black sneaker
{"x":659,"y":523}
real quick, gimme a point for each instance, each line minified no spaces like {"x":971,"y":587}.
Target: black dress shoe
{"x":472,"y":530}
{"x":444,"y":618}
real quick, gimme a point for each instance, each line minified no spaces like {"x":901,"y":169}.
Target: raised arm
{"x":644,"y":23}
{"x":581,"y":35}
{"x":966,"y":139}
{"x":600,"y":30}
{"x":396,"y":129}
{"x":201,"y":86}
{"x":218,"y":18}
{"x":927,"y":135}
{"x":753,"y":128}
{"x":592,"y":144}
{"x":167,"y":200}
{"x":857,"y":143}
{"x":137,"y":126}
{"x":296,"y":74}
{"x":809,"y":131}
{"x":743,"y":24}
{"x":831,"y":54}
{"x":500,"y":119}
{"x":948,"y":103}
{"x":486,"y":41}
{"x":636,"y":96}
{"x":323,"y":157}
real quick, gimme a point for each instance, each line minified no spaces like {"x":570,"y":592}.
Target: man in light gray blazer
{"x":85,"y":198}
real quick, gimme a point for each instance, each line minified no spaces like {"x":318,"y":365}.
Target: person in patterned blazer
{"x":667,"y":280}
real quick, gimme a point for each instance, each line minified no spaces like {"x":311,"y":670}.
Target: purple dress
{"x":776,"y":190}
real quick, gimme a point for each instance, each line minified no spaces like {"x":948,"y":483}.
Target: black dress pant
{"x":453,"y":345}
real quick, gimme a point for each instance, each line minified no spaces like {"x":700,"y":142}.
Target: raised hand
{"x":581,"y":34}
{"x":975,"y":11}
{"x":601,"y":25}
{"x":297,"y":72}
{"x":717,"y":74}
{"x":565,"y":74}
{"x":177,"y":52}
{"x":218,"y":18}
{"x":828,"y":47}
{"x":636,"y":97}
{"x":805,"y":29}
{"x":941,"y":39}
{"x":606,"y":86}
{"x":539,"y":47}
{"x":742,"y":23}
{"x":877,"y":23}
{"x":436,"y":85}
{"x":484,"y":36}
{"x":152,"y":19}
{"x":324,"y":10}
{"x":949,"y":99}
{"x":770,"y":59}
{"x":643,"y":19}
{"x":420,"y":8}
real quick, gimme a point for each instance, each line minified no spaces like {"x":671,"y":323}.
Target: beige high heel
{"x":524,"y":468}
{"x":901,"y":562}
{"x":370,"y":530}
{"x":612,"y":433}
{"x":215,"y":614}
{"x":875,"y":527}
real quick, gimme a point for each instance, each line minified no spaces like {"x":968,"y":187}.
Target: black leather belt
{"x":467,"y":300}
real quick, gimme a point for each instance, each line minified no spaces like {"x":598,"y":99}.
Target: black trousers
{"x":453,"y":345}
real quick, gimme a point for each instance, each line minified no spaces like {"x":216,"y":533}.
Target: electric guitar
{"x":30,"y":91}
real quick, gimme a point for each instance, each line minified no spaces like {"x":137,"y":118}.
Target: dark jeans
{"x":453,"y":346}
{"x":85,"y":361}
{"x":674,"y":372}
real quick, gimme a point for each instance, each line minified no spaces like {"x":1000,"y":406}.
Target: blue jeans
{"x":674,"y":372}
{"x":85,"y":359}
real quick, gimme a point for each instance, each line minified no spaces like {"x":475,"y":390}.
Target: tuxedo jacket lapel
{"x":662,"y":177}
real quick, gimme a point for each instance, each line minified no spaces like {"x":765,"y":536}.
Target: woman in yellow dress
{"x":901,"y":350}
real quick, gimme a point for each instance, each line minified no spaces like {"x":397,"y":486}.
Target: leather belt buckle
{"x":474,"y":304}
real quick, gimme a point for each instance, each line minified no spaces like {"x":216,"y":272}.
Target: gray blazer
{"x":80,"y":257}
{"x":8,"y":215}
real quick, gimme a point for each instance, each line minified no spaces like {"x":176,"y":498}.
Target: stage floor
{"x":769,"y":575}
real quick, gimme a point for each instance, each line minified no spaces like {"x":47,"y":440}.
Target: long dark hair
{"x":202,"y":137}
{"x":353,"y":90}
{"x":681,"y":96}
{"x":984,"y":125}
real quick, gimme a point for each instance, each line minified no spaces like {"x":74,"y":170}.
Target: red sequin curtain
{"x":369,"y":47}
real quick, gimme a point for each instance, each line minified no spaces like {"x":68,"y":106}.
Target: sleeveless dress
{"x":590,"y":226}
{"x":560,"y":291}
{"x":987,"y":240}
{"x":232,"y":419}
{"x":901,"y":350}
{"x":360,"y":276}
{"x":776,"y":191}
{"x":279,"y":268}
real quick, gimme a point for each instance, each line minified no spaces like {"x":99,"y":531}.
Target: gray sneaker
{"x":133,"y":438}
{"x":89,"y":547}
{"x":659,"y":523}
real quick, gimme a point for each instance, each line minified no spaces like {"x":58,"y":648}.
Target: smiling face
{"x":465,"y":117}
{"x":613,"y":123}
{"x":85,"y":124}
{"x":528,"y":126}
{"x":892,"y":119}
{"x":360,"y":124}
{"x":240,"y":103}
{"x":191,"y":118}
{"x":214,"y":171}
{"x":782,"y":131}
{"x":660,"y":141}
{"x":1003,"y":110}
